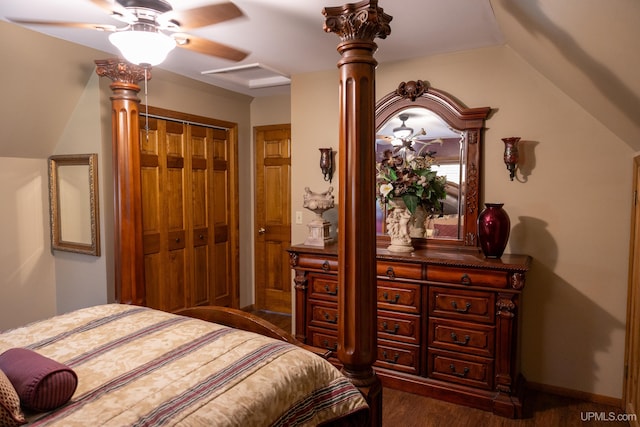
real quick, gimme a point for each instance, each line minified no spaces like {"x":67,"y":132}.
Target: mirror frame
{"x":57,"y":243}
{"x":469,"y":121}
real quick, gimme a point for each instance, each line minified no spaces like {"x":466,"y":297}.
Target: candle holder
{"x":511,"y":154}
{"x":326,"y":163}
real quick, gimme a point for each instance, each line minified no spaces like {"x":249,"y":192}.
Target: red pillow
{"x":42,"y":383}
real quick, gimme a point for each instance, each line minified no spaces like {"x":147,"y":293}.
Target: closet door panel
{"x":199,"y":145}
{"x":174,"y":198}
{"x":152,"y":211}
{"x":221,"y":206}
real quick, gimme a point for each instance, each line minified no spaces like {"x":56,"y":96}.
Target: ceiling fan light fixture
{"x":403,"y":131}
{"x":143,"y":47}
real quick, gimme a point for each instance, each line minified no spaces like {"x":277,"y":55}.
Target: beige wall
{"x":27,"y":282}
{"x":570,"y":211}
{"x":81,"y":280}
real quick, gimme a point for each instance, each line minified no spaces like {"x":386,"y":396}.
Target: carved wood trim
{"x":128,"y":242}
{"x":357,"y":25}
{"x":470,"y":121}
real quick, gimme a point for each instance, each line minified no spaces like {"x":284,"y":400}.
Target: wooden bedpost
{"x":125,"y":105}
{"x":358,"y":24}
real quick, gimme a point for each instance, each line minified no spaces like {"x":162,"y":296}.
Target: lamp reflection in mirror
{"x":326,"y":163}
{"x":403,"y":131}
{"x":146,"y":46}
{"x":511,"y":154}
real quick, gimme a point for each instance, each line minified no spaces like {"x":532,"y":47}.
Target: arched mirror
{"x":415,"y":120}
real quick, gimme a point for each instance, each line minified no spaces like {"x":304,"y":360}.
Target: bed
{"x":143,"y":367}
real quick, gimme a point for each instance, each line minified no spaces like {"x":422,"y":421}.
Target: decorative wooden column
{"x":125,"y":104}
{"x":357,"y":25}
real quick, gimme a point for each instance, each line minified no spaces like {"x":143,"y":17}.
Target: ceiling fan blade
{"x":209,"y":47}
{"x":202,"y":16}
{"x":99,"y":27}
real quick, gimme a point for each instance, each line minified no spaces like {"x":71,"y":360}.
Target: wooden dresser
{"x":448,"y":321}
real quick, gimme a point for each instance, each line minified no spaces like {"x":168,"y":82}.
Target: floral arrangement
{"x":409,"y":176}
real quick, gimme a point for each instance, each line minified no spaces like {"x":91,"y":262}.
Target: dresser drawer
{"x":399,"y":327}
{"x":405,"y":297}
{"x":323,"y":339}
{"x":399,"y":357}
{"x":399,"y":270}
{"x":469,"y":277}
{"x":324,"y":287}
{"x":457,"y":368}
{"x":462,"y":304}
{"x":460,"y":336}
{"x":315,"y":262}
{"x":324,"y":315}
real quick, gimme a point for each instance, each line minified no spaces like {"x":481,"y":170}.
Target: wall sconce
{"x":326,"y":163}
{"x":511,"y":154}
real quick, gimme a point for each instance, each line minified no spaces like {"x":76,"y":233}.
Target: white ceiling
{"x":279,"y":34}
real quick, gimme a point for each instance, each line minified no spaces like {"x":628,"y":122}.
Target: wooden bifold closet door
{"x":186,"y":209}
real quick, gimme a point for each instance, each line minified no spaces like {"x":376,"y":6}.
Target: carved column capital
{"x":121,"y":71}
{"x":363,"y":21}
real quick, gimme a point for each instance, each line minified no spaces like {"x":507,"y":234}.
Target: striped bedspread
{"x":141,"y":367}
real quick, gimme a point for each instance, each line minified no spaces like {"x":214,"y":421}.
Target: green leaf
{"x":411,"y":200}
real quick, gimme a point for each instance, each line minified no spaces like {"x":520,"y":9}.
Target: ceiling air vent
{"x":252,"y":76}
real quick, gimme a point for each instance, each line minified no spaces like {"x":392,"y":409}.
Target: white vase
{"x":398,"y":223}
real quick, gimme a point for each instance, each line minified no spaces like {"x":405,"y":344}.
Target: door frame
{"x":631,"y":382}
{"x":256,"y":219}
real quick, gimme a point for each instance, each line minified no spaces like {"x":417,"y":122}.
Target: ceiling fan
{"x":149,"y":21}
{"x":403,"y":137}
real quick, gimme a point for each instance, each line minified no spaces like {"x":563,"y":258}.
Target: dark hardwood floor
{"x":400,"y":409}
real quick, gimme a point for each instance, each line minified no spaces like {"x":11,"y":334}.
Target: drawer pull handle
{"x":201,"y":236}
{"x":325,"y":344}
{"x":386,"y":359}
{"x":390,"y":273}
{"x":454,"y":337}
{"x":462,"y":374}
{"x":390,"y":331}
{"x":385,"y":296}
{"x":177,"y":240}
{"x":329,"y":291}
{"x":328,"y":318}
{"x":465,"y":279}
{"x":325,"y":266}
{"x":466,"y":308}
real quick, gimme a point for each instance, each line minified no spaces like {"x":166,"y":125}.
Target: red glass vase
{"x":494,"y":226}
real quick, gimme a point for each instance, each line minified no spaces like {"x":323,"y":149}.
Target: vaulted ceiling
{"x":587,"y":48}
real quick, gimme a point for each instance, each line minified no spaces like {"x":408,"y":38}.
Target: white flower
{"x":386,"y":189}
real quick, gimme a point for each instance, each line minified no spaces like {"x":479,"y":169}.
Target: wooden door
{"x":273,"y":218}
{"x":632,"y":356}
{"x":187,"y":215}
{"x":163,"y":214}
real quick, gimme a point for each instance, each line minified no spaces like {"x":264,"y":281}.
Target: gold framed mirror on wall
{"x":417,"y":119}
{"x":73,"y":203}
